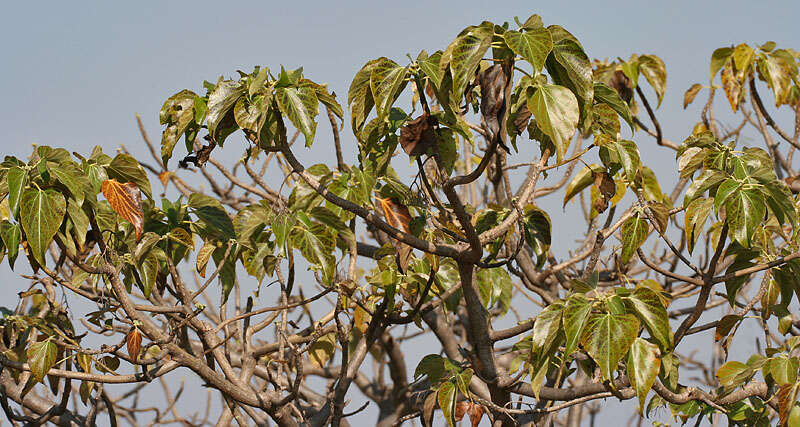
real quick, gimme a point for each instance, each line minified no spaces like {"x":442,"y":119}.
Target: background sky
{"x":74,"y":74}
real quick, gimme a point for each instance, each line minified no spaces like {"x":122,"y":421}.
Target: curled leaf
{"x":398,"y":216}
{"x":417,"y":135}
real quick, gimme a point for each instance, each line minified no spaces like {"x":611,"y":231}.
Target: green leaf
{"x":695,"y":218}
{"x":583,"y":179}
{"x":569,"y":66}
{"x":210,"y":211}
{"x":706,"y":180}
{"x":17,"y":179}
{"x":538,"y":233}
{"x":534,"y":45}
{"x":634,"y":233}
{"x":744,"y":211}
{"x":147,"y":272}
{"x":628,"y":155}
{"x":329,"y":218}
{"x":718,"y":59}
{"x":447,"y":402}
{"x":648,"y":306}
{"x":464,"y":55}
{"x":644,"y":362}
{"x":301,"y":106}
{"x":576,"y":314}
{"x":41,"y":357}
{"x":386,"y":82}
{"x":316,"y":244}
{"x":70,"y":178}
{"x":249,"y":221}
{"x":126,"y":169}
{"x":11,"y":235}
{"x":610,"y":97}
{"x":546,"y":326}
{"x":221,"y":101}
{"x":359,"y":96}
{"x":608,"y":337}
{"x":656,"y":74}
{"x":41,"y":214}
{"x":733,"y":373}
{"x":556,"y":111}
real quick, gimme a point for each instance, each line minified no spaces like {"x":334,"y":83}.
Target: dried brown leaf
{"x":134,"y":343}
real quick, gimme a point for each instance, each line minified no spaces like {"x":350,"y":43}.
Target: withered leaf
{"x":134,"y":343}
{"x":398,"y":216}
{"x":493,"y":82}
{"x":475,"y":414}
{"x":164,"y":178}
{"x":461,"y":409}
{"x":418,"y":135}
{"x":521,"y":119}
{"x":622,"y":84}
{"x":126,"y":200}
{"x":607,"y":188}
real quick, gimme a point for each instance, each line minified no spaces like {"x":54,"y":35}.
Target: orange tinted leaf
{"x":126,"y":200}
{"x":134,"y":342}
{"x":475,"y":414}
{"x":398,"y":216}
{"x":461,"y":408}
{"x":164,"y":178}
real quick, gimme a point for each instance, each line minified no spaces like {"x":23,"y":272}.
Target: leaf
{"x":731,"y":85}
{"x":17,"y":179}
{"x":656,"y":74}
{"x":744,"y":211}
{"x":634,"y":233}
{"x":11,"y":235}
{"x":221,"y":101}
{"x":583,"y":179}
{"x":398,"y":216}
{"x":576,"y":313}
{"x":126,"y":200}
{"x":359,"y":96}
{"x":386,"y":82}
{"x":41,"y":214}
{"x":733,"y":373}
{"x":556,"y":111}
{"x":629,"y":158}
{"x":181,"y":236}
{"x":644,"y":362}
{"x":695,"y":218}
{"x":690,"y":94}
{"x":316,"y":243}
{"x":725,"y":325}
{"x":607,"y":338}
{"x":648,"y":306}
{"x":569,"y":66}
{"x":534,"y":45}
{"x":447,"y":402}
{"x":706,"y":180}
{"x":418,"y":135}
{"x":210,"y":211}
{"x":464,"y":55}
{"x":203,"y":255}
{"x":321,"y":350}
{"x":41,"y":357}
{"x":537,"y":226}
{"x":475,"y":414}
{"x":148,"y":270}
{"x":70,"y":176}
{"x":546,"y":326}
{"x":124,"y":168}
{"x":718,"y":59}
{"x":177,"y":113}
{"x":301,"y":106}
{"x":133,"y":340}
{"x":610,"y":97}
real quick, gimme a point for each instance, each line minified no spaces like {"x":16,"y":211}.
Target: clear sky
{"x":74,"y":74}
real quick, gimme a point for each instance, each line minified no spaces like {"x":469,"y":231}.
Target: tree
{"x":121,"y":290}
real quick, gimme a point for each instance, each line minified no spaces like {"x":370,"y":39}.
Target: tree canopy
{"x":284,"y":287}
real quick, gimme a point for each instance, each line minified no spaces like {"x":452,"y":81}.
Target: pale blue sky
{"x":74,"y":73}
